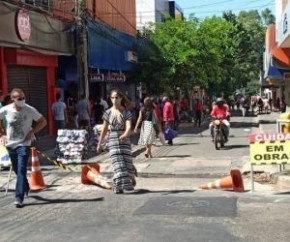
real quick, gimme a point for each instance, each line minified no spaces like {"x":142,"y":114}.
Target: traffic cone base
{"x":237,"y":178}
{"x":36,"y":180}
{"x":234,"y":181}
{"x":91,"y":174}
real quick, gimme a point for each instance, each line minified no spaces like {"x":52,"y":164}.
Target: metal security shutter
{"x":32,"y":80}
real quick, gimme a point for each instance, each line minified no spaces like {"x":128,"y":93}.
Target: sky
{"x":207,"y":8}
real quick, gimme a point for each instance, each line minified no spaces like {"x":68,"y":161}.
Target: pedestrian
{"x":83,"y":109}
{"x":59,"y":113}
{"x":198,"y":112}
{"x":260,"y":105}
{"x":278,"y":102}
{"x":282,"y":105}
{"x":149,"y":124}
{"x":98,"y":111}
{"x":270,"y":103}
{"x":18,"y":137}
{"x":75,"y":114}
{"x":168,"y":116}
{"x":119,"y":119}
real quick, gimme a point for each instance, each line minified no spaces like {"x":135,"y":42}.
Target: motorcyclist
{"x":221,"y":111}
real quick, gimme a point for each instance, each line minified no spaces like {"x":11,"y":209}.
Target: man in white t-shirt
{"x":18,"y":136}
{"x":59,"y":113}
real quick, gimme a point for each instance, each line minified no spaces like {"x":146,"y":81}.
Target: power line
{"x":219,"y":3}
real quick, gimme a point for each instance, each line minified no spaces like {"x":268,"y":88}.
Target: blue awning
{"x":107,"y":47}
{"x":274,"y":73}
{"x":276,"y":69}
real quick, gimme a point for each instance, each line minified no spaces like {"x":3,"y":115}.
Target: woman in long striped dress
{"x":117,"y":119}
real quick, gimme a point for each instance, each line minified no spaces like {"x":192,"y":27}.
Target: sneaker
{"x":18,"y":204}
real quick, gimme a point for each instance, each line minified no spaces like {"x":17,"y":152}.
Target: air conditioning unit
{"x":131,"y":56}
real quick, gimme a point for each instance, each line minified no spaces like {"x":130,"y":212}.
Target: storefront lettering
{"x":115,"y":77}
{"x":97,"y":77}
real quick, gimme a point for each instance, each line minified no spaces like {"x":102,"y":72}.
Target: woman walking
{"x":118,"y":119}
{"x":150,"y":125}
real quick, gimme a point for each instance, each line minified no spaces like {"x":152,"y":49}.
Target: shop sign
{"x":97,"y":77}
{"x":23,"y":26}
{"x":116,"y":77}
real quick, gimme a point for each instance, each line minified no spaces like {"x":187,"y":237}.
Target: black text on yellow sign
{"x":270,"y":152}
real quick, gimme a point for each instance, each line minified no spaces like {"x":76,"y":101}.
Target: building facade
{"x":277,"y":54}
{"x":30,"y":42}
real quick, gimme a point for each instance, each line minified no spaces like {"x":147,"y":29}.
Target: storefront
{"x":30,"y":43}
{"x":111,"y":57}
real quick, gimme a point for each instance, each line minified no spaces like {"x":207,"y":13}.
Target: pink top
{"x":168,"y":114}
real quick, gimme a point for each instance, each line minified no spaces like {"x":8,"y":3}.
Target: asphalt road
{"x":164,"y":208}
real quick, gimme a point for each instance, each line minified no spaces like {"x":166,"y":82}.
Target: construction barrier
{"x":55,"y":162}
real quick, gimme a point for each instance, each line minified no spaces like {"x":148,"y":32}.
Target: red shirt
{"x":168,"y":114}
{"x":220,"y":112}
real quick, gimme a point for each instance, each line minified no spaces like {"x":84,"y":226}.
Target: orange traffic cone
{"x":36,"y":181}
{"x":234,"y":181}
{"x":91,"y":174}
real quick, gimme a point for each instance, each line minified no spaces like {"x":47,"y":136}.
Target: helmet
{"x":220,"y":101}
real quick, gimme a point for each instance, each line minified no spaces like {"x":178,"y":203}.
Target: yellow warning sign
{"x":269,"y":151}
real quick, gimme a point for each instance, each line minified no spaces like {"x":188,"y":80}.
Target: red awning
{"x":282,"y":54}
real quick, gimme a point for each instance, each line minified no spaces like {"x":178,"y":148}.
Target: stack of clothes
{"x":72,"y":146}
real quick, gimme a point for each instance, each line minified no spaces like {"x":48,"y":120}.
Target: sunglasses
{"x":18,"y":98}
{"x":114,"y":97}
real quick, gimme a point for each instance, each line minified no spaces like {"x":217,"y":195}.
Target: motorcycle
{"x":219,"y":133}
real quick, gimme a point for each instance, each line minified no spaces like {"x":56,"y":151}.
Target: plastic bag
{"x":4,"y":157}
{"x":169,"y":133}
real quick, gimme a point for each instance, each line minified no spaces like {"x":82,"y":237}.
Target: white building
{"x":150,"y":11}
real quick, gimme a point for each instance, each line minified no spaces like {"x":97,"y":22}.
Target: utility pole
{"x":82,"y":50}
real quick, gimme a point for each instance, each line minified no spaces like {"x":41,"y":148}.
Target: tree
{"x":221,"y":54}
